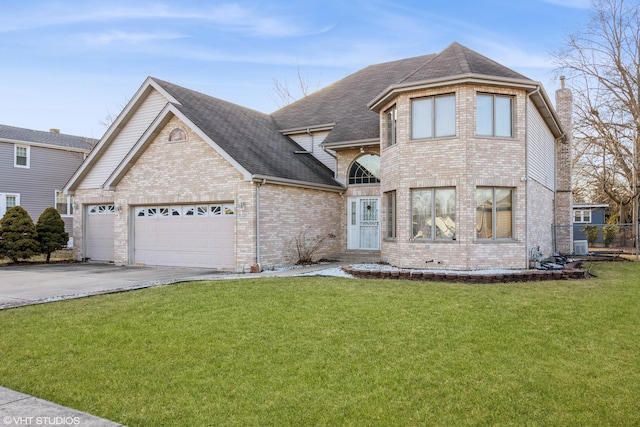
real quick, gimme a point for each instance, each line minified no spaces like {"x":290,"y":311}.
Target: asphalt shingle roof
{"x":250,"y":137}
{"x":345,"y":102}
{"x":49,"y":138}
{"x":254,"y":139}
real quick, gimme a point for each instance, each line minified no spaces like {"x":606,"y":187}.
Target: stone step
{"x":363,"y":257}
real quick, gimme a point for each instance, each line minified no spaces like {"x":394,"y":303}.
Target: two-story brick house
{"x":448,"y":160}
{"x":35,"y":167}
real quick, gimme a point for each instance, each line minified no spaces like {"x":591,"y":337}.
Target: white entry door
{"x":364,"y":223}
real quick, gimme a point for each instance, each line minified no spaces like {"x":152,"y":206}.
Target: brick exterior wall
{"x":564,"y":197}
{"x":464,"y":162}
{"x":191,"y":172}
{"x":291,"y":214}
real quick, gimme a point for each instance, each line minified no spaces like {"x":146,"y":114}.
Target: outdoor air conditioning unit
{"x":581,"y":247}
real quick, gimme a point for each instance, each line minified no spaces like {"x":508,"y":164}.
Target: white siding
{"x":123,"y":142}
{"x":312,"y":143}
{"x":541,"y":149}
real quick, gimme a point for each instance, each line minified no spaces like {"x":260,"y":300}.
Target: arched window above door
{"x":365,"y":170}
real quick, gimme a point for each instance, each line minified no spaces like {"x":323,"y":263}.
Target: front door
{"x":364,"y":223}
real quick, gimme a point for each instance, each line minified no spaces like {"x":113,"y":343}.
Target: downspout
{"x":258,"y":185}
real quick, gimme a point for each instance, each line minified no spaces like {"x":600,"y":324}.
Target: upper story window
{"x":64,"y":203}
{"x":494,"y":115}
{"x":177,"y":135}
{"x":390,"y":120}
{"x":582,"y":215}
{"x":494,"y":213}
{"x":21,"y":158}
{"x":433,"y":213}
{"x":365,"y":170}
{"x":433,"y":117}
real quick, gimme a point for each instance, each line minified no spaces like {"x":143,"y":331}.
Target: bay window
{"x":494,"y":213}
{"x":494,"y":115}
{"x":433,"y":117}
{"x":433,"y":213}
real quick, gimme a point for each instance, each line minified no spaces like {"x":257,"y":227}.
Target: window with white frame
{"x":494,"y":213}
{"x":64,"y":203}
{"x":365,"y":170}
{"x":494,"y":115}
{"x":582,"y":215}
{"x":21,"y":158}
{"x":433,"y":213}
{"x":391,"y":214}
{"x":433,"y":117}
{"x":390,"y":119}
{"x":8,"y":200}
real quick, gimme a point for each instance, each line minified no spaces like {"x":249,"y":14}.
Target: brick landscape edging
{"x":462,"y":277}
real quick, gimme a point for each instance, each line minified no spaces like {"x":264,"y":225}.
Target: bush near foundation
{"x":18,"y":236}
{"x":50,"y":232}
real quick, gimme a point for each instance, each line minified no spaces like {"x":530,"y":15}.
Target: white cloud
{"x":574,"y":4}
{"x":111,"y":37}
{"x":230,"y":17}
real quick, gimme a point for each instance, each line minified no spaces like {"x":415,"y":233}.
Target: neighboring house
{"x":35,"y":166}
{"x":588,"y":214}
{"x":446,"y":160}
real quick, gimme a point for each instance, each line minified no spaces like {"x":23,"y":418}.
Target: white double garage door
{"x":170,"y":235}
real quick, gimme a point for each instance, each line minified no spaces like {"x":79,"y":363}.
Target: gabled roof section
{"x":345,"y":102}
{"x":251,"y":138}
{"x":55,"y":140}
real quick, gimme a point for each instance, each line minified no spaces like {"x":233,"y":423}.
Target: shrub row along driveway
{"x":30,"y":284}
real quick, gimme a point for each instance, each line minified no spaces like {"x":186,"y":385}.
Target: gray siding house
{"x":35,"y":166}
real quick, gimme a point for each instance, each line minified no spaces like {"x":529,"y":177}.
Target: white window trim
{"x":15,"y":156}
{"x":69,"y":204}
{"x":3,"y":201}
{"x":582,"y":212}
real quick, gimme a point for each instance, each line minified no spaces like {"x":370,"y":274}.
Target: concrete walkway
{"x":38,"y":284}
{"x":19,"y":409}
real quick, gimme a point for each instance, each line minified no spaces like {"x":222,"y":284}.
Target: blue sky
{"x":69,"y":64}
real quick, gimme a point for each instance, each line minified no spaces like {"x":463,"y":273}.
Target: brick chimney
{"x":564,"y":188}
{"x":54,"y":130}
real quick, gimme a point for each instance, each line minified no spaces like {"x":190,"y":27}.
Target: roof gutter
{"x":44,"y":145}
{"x":351,"y":144}
{"x":378,"y":102}
{"x":263,"y":179}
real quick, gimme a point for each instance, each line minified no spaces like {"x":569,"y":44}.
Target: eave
{"x":345,"y":145}
{"x":307,"y":129}
{"x":265,"y":179}
{"x":394,"y":90}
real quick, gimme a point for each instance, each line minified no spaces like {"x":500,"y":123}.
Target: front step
{"x":356,"y":257}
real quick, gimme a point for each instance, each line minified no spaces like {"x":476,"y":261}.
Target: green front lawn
{"x":331,"y":351}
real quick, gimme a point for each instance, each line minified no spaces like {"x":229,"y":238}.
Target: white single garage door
{"x":186,"y":236}
{"x":99,"y":243}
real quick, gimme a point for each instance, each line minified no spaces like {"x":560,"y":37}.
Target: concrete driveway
{"x":33,"y":284}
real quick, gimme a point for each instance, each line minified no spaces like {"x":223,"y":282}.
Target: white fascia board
{"x":169,"y":111}
{"x":307,"y":129}
{"x":113,"y":130}
{"x":264,"y":179}
{"x":379,"y":101}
